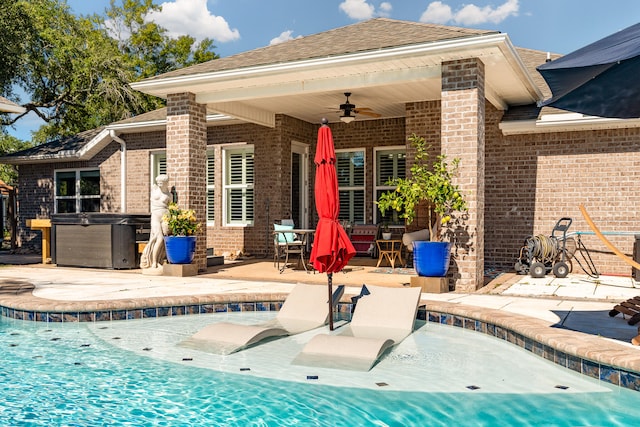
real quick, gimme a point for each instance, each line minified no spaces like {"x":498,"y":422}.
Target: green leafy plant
{"x":429,"y":183}
{"x":181,"y":222}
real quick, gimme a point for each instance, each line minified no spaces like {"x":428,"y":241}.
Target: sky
{"x":558,"y":26}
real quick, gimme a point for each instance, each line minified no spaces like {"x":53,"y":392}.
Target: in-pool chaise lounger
{"x":305,"y":308}
{"x":381,"y":319}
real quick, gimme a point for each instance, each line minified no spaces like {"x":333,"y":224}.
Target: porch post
{"x":187,"y":161}
{"x":463,"y":136}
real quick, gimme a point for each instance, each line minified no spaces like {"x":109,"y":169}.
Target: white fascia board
{"x":518,"y":127}
{"x":161,"y":124}
{"x":101,"y":140}
{"x":572,"y":123}
{"x":440,"y":49}
{"x":63,"y":156}
{"x":60,"y":156}
{"x":510,"y":52}
{"x":139,"y":126}
{"x":94,"y":146}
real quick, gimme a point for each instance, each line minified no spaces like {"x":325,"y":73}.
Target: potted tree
{"x":430,"y":184}
{"x":180,"y":242}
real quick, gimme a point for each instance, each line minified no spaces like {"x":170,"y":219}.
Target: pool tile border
{"x":557,"y":345}
{"x":616,"y":376}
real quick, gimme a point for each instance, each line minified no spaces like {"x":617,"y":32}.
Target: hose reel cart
{"x":542,"y":254}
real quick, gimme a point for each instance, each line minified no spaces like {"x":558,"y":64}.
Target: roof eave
{"x":61,"y":156}
{"x":568,"y":122}
{"x":439,"y":49}
{"x":161,"y":124}
{"x":97,"y":143}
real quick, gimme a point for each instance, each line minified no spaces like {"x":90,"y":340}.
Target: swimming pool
{"x":133,"y":373}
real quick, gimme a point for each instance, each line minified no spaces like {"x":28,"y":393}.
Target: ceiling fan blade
{"x":347,"y":108}
{"x":364,"y":112}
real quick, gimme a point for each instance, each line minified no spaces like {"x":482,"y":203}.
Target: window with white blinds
{"x":351,"y":185}
{"x":238,"y":185}
{"x":159,"y":167}
{"x":390,"y":164}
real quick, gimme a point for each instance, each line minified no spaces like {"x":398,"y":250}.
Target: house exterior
{"x":238,"y":135}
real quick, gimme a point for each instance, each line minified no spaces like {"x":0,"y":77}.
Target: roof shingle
{"x":364,"y":36}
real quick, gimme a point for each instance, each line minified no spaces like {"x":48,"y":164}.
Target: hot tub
{"x":99,"y":240}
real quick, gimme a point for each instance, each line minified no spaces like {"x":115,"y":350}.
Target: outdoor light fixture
{"x":347,"y":117}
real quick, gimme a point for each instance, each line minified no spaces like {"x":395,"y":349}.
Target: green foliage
{"x":431,"y":183}
{"x":10,"y":144}
{"x":147,"y":47}
{"x":76,"y":70}
{"x":181,"y":222}
{"x":16,"y":29}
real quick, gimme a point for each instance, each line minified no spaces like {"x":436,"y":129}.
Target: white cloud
{"x":440,"y":13}
{"x":437,"y":13}
{"x":385,"y":9}
{"x":357,"y":9}
{"x":191,"y":17}
{"x":283,"y":37}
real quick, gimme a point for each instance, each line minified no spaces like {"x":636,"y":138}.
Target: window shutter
{"x":210,"y":187}
{"x":162,"y":164}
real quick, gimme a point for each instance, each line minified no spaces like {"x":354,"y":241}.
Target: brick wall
{"x":36,"y":190}
{"x":273,"y":172}
{"x":534,"y":180}
{"x":140,"y":147}
{"x":463,"y":137}
{"x":423,"y":119}
{"x":367,"y":134}
{"x":531,"y":180}
{"x":187,"y":160}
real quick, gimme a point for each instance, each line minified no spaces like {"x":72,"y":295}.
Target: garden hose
{"x":543,"y":248}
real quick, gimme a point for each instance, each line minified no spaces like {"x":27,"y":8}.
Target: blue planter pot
{"x":180,"y":249}
{"x":431,"y":259}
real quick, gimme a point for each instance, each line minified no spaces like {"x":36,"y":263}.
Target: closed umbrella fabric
{"x":599,"y":79}
{"x":332,"y":248}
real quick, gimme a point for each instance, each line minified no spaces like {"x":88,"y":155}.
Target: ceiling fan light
{"x":347,"y":118}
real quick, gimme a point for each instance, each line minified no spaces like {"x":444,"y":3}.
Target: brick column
{"x":463,"y":134}
{"x":187,"y":161}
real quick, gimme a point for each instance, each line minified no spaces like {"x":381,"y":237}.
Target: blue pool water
{"x":131,"y":373}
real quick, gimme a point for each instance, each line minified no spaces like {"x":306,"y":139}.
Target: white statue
{"x":154,"y":252}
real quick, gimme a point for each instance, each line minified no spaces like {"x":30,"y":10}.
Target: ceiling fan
{"x":349,"y":108}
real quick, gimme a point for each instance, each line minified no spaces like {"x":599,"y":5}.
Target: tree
{"x":16,"y":28}
{"x":10,"y":144}
{"x":146,"y":44}
{"x":428,"y":183}
{"x":76,"y":73}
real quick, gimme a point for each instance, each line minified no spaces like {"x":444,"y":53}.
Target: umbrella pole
{"x":330,"y":285}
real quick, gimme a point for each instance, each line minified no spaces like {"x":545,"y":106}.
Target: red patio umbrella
{"x":332,"y":248}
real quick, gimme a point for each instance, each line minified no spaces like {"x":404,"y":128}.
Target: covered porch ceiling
{"x":382,"y":80}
